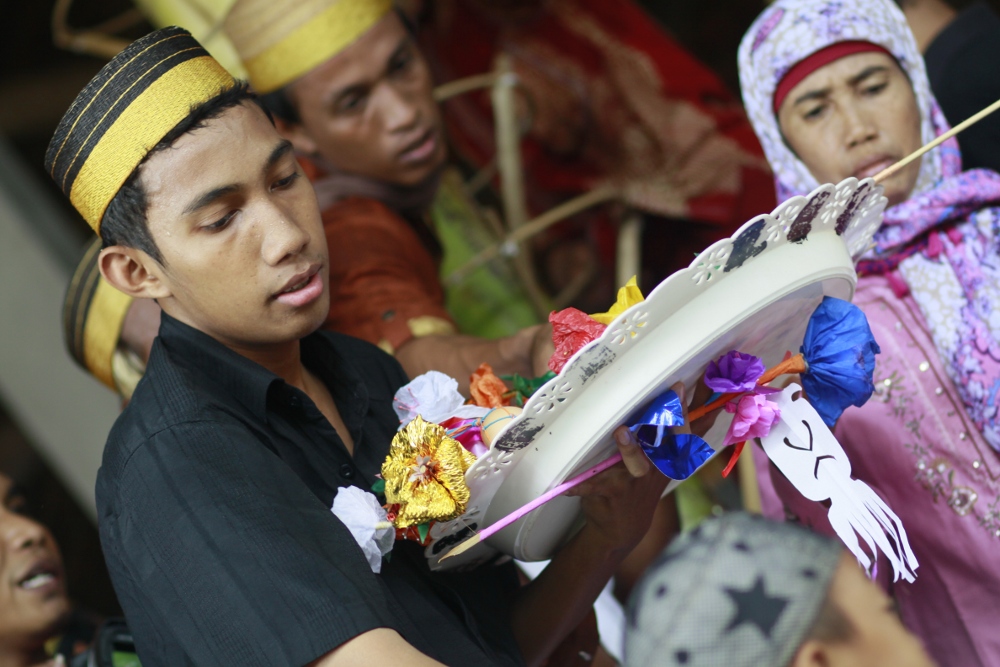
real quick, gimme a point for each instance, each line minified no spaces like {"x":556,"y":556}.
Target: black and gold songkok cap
{"x":93,"y":315}
{"x":280,"y":40}
{"x":132,"y":103}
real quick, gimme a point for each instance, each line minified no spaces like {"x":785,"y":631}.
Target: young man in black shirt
{"x":215,"y":491}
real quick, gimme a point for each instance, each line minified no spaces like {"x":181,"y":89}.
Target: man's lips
{"x":43,"y":576}
{"x":420,"y":149}
{"x":302,"y":288}
{"x":874,"y":166}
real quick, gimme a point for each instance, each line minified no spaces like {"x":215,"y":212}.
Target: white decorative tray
{"x":753,"y":292}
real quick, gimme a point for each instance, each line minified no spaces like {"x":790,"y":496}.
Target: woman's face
{"x":855,"y":117}
{"x":33,"y":597}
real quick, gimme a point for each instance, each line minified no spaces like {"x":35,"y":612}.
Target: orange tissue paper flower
{"x":486,"y":388}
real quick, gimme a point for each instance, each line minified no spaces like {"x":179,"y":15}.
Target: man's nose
{"x":400,"y":109}
{"x":19,"y":532}
{"x":283,"y":237}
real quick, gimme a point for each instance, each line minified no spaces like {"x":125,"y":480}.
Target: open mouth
{"x":421,"y":149}
{"x":874,"y":167}
{"x":297,"y":286}
{"x":43,"y":575}
{"x":303,"y":288}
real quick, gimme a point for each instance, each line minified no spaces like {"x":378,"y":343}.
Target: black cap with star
{"x":736,"y":591}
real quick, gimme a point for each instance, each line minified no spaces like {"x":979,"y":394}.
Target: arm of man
{"x":375,"y":647}
{"x":525,"y":353}
{"x":618,"y":505}
{"x":385,"y":289}
{"x":220,"y":555}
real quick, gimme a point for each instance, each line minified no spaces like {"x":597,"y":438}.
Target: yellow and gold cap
{"x":132,"y":103}
{"x":280,"y":41}
{"x":93,"y":314}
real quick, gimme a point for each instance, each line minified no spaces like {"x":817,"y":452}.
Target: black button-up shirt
{"x":214,"y":502}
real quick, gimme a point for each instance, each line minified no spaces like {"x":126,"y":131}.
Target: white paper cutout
{"x":434,"y":396}
{"x":808,"y":454}
{"x":367,"y":521}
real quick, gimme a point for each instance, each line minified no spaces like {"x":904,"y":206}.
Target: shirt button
{"x":294,"y":401}
{"x":347,"y":471}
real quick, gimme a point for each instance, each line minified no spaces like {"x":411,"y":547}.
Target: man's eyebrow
{"x":405,"y":43}
{"x":283,"y":148}
{"x":865,"y":73}
{"x":208,"y":198}
{"x":356,"y":88}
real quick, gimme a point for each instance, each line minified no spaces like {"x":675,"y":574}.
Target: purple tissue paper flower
{"x":734,"y":372}
{"x":754,"y":417}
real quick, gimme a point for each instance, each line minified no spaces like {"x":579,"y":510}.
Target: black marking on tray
{"x":745,"y":246}
{"x":800,"y":229}
{"x":454,"y":539}
{"x":604,"y":358}
{"x":845,"y":216}
{"x":518,"y":436}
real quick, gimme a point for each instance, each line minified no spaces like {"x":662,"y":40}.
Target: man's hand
{"x":619,"y":503}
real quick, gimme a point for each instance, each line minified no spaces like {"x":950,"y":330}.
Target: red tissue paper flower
{"x":571,"y":330}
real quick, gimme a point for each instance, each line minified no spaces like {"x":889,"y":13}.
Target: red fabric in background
{"x":599,"y":89}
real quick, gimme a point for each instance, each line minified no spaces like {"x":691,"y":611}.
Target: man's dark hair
{"x":279,"y":106}
{"x":124,"y":222}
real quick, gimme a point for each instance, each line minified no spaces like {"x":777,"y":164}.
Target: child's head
{"x":744,"y":591}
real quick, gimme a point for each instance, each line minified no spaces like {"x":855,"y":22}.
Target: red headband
{"x":810,"y":64}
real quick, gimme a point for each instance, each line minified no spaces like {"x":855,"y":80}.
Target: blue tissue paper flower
{"x":675,"y":455}
{"x":840,"y":350}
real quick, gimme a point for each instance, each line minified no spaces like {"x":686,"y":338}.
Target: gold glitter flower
{"x":425,"y":474}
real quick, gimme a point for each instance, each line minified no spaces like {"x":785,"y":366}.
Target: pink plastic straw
{"x":541,"y":500}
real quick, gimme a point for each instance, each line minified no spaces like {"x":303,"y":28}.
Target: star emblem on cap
{"x":756,"y":607}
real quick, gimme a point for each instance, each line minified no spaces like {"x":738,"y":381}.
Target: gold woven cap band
{"x":279,"y":41}
{"x":93,"y":314}
{"x":132,"y":103}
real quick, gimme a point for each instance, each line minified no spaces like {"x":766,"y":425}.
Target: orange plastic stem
{"x":795,"y":364}
{"x":734,"y":458}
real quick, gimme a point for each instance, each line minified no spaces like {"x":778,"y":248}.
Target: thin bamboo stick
{"x":529,"y":229}
{"x":92,"y":41}
{"x":462,"y":86}
{"x":968,"y":122}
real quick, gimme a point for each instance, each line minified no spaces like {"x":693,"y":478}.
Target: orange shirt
{"x":384,"y":284}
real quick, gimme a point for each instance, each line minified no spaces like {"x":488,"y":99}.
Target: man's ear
{"x":133,"y":272}
{"x":812,"y":653}
{"x":296,"y":133}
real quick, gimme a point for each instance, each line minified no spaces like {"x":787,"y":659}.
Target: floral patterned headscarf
{"x":789,"y":31}
{"x":940,"y":245}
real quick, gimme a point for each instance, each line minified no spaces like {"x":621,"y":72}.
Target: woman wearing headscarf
{"x":837,"y":88}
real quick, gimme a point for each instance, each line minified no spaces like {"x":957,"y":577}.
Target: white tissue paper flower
{"x":434,"y":396}
{"x":366,"y":519}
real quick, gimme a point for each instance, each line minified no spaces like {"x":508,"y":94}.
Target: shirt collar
{"x":247,"y":381}
{"x":252,"y":384}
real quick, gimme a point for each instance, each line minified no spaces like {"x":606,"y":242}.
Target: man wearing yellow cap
{"x":215,"y":491}
{"x":350,"y":89}
{"x":376,"y":175}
